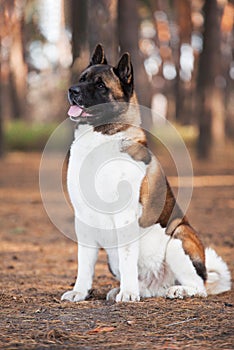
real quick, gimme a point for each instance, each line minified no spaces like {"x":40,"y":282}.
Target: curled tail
{"x":218,"y":275}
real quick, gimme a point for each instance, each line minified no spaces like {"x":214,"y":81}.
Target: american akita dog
{"x":152,"y":249}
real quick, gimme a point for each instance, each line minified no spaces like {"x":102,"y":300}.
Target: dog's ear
{"x":124,"y":72}
{"x":124,"y":69}
{"x":98,"y":56}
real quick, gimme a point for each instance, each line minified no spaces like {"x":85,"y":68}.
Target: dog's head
{"x":99,"y":84}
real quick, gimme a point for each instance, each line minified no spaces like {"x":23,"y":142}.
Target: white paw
{"x":181,"y":292}
{"x":111,"y":295}
{"x":73,"y":295}
{"x":126,"y":296}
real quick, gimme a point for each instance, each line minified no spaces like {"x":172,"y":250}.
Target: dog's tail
{"x":218,"y":274}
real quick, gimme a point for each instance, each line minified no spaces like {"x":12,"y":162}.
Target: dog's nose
{"x":74,"y":90}
{"x":74,"y":94}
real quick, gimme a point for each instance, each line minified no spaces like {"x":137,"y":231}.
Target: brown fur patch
{"x":136,"y":146}
{"x":111,"y":129}
{"x":158,"y":202}
{"x":193,"y":247}
{"x":152,"y":194}
{"x":138,"y":152}
{"x":113,"y":84}
{"x":171,"y":215}
{"x":137,"y":135}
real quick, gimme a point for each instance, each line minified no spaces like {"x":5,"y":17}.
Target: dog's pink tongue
{"x":75,"y":111}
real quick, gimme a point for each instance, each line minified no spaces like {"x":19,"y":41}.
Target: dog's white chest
{"x":103,"y":182}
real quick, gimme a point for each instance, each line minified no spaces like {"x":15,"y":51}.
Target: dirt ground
{"x":38,"y":264}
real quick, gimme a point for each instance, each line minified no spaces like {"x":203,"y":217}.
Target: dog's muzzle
{"x":77,"y":110}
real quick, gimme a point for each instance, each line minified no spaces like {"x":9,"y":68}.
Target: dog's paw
{"x":181,"y":292}
{"x":74,"y":296}
{"x":125,"y":296}
{"x":111,"y":295}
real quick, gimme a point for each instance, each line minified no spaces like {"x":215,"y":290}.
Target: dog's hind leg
{"x":185,"y":257}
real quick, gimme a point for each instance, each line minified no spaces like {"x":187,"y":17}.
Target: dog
{"x":151,"y":247}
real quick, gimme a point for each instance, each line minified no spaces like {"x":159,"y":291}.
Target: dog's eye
{"x":82,"y":79}
{"x":101,"y":85}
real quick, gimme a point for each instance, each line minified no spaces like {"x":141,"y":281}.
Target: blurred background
{"x":183,"y":57}
{"x":182,"y":53}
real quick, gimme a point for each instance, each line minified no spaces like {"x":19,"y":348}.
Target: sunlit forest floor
{"x":38,"y":264}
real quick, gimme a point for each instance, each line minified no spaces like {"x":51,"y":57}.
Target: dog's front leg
{"x":87,"y":257}
{"x":128,"y":267}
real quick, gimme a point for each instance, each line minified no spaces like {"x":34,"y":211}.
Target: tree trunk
{"x":93,"y":22}
{"x":18,"y":70}
{"x":80,"y":50}
{"x":102,"y":27}
{"x":128,"y":28}
{"x":209,"y":96}
{"x":183,"y":10}
{"x":79,"y":26}
{"x":1,"y":136}
{"x":1,"y":116}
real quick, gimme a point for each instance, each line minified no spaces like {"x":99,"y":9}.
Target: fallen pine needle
{"x":101,"y":330}
{"x":179,"y":322}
